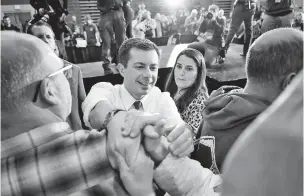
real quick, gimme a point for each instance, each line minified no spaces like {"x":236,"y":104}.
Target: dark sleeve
{"x":62,"y":51}
{"x":36,"y":4}
{"x":128,"y":14}
{"x":219,"y":25}
{"x":203,"y":27}
{"x":16,"y":29}
{"x":65,"y":4}
{"x":56,"y":5}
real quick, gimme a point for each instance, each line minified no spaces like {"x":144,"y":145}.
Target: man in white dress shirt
{"x":138,"y":64}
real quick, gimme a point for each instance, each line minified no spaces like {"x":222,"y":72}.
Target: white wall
{"x":15,"y":9}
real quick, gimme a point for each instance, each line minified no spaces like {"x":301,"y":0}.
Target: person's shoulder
{"x":160,"y":96}
{"x":201,"y":96}
{"x":106,"y":85}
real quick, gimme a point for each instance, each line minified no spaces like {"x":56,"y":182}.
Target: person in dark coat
{"x":6,"y":25}
{"x":112,"y":22}
{"x":129,"y":15}
{"x":243,"y":11}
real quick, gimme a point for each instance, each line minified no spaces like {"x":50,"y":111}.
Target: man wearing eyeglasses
{"x":44,"y":32}
{"x":42,"y":155}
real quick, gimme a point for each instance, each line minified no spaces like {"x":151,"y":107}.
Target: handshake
{"x":138,"y":142}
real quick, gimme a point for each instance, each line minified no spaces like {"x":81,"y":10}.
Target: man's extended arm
{"x":77,"y":160}
{"x":183,"y":176}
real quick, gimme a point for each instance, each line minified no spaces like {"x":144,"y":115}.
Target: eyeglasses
{"x":67,"y":71}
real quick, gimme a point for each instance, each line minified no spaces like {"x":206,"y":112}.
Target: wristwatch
{"x":109,"y":117}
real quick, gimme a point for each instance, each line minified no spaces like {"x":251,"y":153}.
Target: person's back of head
{"x":273,"y":60}
{"x":267,"y":159}
{"x":20,"y":67}
{"x":31,"y":77}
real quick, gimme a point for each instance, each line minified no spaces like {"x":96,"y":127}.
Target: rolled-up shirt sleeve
{"x":186,"y":177}
{"x":102,"y":91}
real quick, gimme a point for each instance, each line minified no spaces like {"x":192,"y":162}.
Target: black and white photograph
{"x":152,"y":97}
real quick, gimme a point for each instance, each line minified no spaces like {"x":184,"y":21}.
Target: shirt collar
{"x":128,"y":100}
{"x":34,"y":138}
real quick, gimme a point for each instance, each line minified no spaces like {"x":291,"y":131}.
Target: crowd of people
{"x":132,"y":138}
{"x":209,"y":25}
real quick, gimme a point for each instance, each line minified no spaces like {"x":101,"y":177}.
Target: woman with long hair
{"x":186,"y":85}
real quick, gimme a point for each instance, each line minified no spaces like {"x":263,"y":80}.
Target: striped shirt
{"x":54,"y":160}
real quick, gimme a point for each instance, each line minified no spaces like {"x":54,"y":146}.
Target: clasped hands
{"x":139,"y":141}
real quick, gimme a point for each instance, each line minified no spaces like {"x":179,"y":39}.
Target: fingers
{"x":130,"y":119}
{"x":156,"y":131}
{"x":187,"y":152}
{"x":182,"y":142}
{"x":175,"y":133}
{"x":184,"y":149}
{"x":136,"y":122}
{"x":149,"y":132}
{"x":144,"y":120}
{"x":151,"y":143}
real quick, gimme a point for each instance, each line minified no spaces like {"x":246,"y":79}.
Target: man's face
{"x":141,"y":73}
{"x":74,"y":18}
{"x":62,"y":90}
{"x":47,"y":35}
{"x":7,"y":21}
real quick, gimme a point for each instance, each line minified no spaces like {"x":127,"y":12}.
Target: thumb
{"x":122,"y":166}
{"x":156,"y":131}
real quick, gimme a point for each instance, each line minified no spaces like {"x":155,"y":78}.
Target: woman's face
{"x":185,"y":72}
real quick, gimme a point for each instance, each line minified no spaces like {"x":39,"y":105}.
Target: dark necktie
{"x":137,"y":105}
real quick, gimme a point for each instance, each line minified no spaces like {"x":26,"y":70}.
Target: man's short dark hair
{"x":276,"y":53}
{"x":20,"y":67}
{"x":138,"y":43}
{"x":5,"y":17}
{"x":37,"y":24}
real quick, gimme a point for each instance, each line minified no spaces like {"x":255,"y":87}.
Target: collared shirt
{"x":154,"y":102}
{"x":53,"y":160}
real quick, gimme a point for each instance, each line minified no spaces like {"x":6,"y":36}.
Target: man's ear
{"x":287,"y":80}
{"x":48,"y":92}
{"x":121,"y":69}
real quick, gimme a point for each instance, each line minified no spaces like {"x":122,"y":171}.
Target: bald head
{"x":275,"y":54}
{"x":22,"y":58}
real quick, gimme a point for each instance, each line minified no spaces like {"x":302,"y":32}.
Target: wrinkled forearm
{"x":183,"y":176}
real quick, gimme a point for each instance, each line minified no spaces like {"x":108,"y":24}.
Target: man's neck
{"x":134,"y":96}
{"x":25,"y":119}
{"x":266,"y":93}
